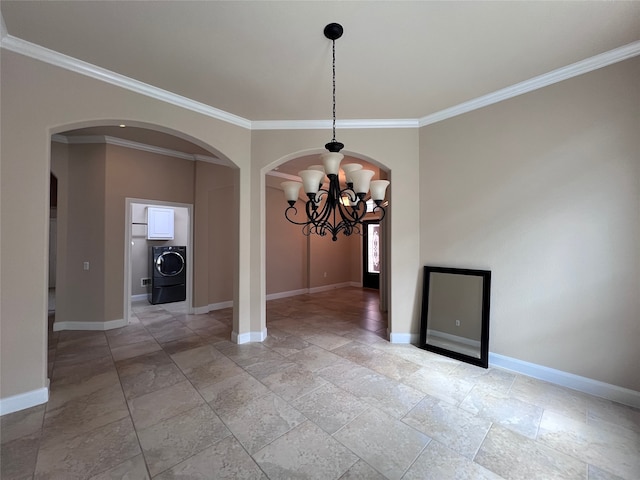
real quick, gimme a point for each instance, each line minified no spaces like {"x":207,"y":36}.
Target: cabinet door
{"x":159,"y":223}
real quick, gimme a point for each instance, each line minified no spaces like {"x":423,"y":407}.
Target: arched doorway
{"x":105,"y":169}
{"x":297,"y":264}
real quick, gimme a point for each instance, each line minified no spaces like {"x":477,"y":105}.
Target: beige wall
{"x":329,"y":261}
{"x":60,"y":168}
{"x":83,"y":300}
{"x":287,"y":249}
{"x":222,"y":241}
{"x":544,"y":191}
{"x":215,"y":231}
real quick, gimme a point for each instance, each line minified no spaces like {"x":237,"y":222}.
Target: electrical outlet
{"x":145,"y":281}
{"x":85,"y":265}
{"x":457,"y":323}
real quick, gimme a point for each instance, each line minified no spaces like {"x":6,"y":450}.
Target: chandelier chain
{"x":333,"y":42}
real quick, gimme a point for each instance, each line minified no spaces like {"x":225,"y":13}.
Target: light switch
{"x":86,"y":265}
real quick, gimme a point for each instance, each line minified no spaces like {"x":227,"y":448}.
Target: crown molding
{"x":327,"y":124}
{"x":52,"y":57}
{"x":121,"y":142}
{"x":564,"y":73}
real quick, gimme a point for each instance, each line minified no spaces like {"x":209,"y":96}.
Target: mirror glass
{"x":455,"y":313}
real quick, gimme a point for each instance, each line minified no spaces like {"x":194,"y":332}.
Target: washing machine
{"x":168,"y":274}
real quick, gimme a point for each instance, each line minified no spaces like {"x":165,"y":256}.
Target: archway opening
{"x":312,"y":278}
{"x":106,"y":169}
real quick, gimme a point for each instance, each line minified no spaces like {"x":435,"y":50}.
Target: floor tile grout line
{"x":333,"y":435}
{"x":426,"y":445}
{"x":133,"y":424}
{"x":484,"y":438}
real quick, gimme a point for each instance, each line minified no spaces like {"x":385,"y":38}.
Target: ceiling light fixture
{"x":334,"y":209}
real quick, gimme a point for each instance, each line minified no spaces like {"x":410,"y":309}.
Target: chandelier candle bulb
{"x":361,"y":179}
{"x":291,"y":191}
{"x":331,"y":161}
{"x":347,"y":168}
{"x":311,"y":179}
{"x":378,"y":189}
{"x":319,"y":168}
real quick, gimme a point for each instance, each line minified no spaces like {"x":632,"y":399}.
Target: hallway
{"x":325,"y":396}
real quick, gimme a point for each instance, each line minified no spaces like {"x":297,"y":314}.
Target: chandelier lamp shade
{"x":334,"y":207}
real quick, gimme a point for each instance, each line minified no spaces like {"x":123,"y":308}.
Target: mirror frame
{"x":483,"y":361}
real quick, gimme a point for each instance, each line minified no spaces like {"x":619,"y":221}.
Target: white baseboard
{"x":248,"y":337}
{"x":403,"y":337}
{"x":304,"y":291}
{"x":137,"y":298}
{"x":454,"y":338}
{"x":23,"y":401}
{"x":569,"y":380}
{"x":212,"y":306}
{"x":291,"y":293}
{"x":101,"y":326}
{"x":324,"y":288}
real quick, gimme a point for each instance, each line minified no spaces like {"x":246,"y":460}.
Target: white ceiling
{"x":269,"y":60}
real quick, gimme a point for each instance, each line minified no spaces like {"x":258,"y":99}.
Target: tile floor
{"x":324,"y":397}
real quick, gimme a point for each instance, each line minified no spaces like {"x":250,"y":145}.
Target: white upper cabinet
{"x":159,"y":223}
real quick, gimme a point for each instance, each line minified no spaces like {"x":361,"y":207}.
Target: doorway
{"x":53,"y":240}
{"x":136,"y":272}
{"x":371,"y":254}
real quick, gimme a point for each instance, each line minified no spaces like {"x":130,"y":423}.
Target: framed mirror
{"x":455,"y":313}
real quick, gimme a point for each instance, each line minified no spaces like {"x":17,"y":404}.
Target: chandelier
{"x":335,"y":208}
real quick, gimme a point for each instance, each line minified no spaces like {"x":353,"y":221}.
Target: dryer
{"x":168,"y":273}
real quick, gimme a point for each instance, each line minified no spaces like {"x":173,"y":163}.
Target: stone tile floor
{"x":324,"y":397}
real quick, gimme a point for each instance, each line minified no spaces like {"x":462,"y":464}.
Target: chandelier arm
{"x":287,"y":212}
{"x":317,"y":213}
{"x":353,"y":213}
{"x":312,"y":211}
{"x":381,"y":209}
